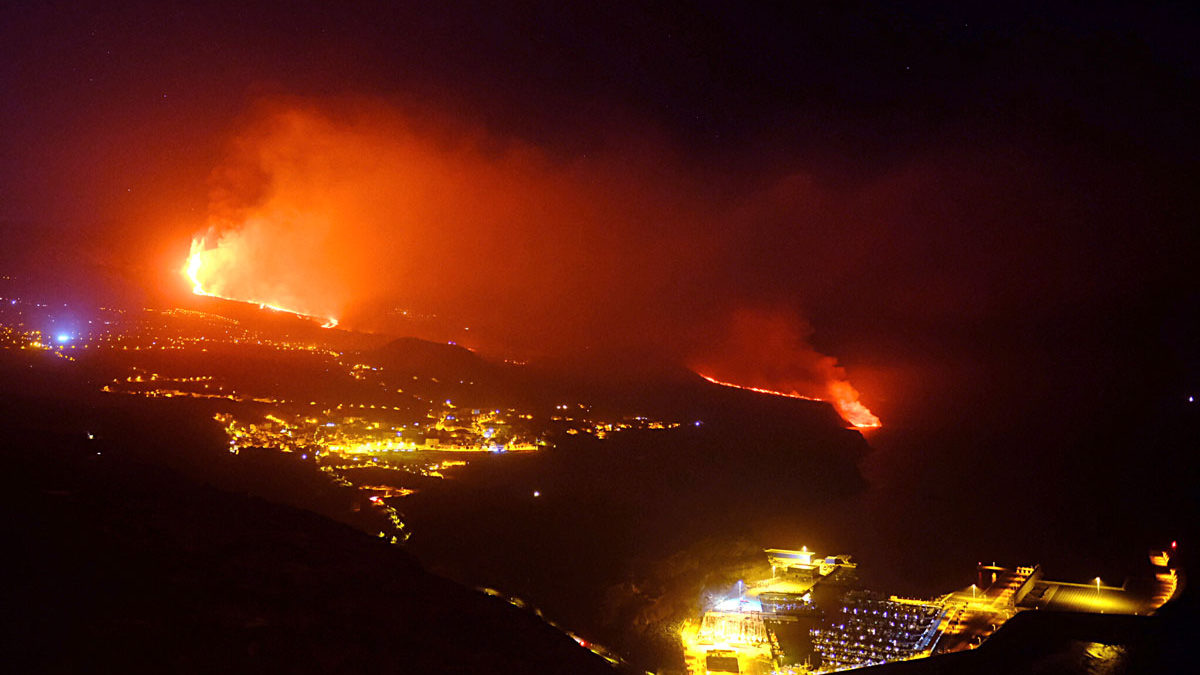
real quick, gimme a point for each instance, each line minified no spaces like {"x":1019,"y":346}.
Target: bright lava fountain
{"x":192,"y":270}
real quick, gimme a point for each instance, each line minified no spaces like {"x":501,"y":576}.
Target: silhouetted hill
{"x":432,"y":359}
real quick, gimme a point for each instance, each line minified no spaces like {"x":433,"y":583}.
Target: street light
{"x":973,"y":587}
{"x":1097,"y":584}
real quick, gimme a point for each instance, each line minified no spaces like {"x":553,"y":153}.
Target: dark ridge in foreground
{"x":119,"y":565}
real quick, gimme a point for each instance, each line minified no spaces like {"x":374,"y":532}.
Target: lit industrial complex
{"x":811,"y":615}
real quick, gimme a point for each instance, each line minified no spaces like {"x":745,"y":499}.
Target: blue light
{"x":63,"y":337}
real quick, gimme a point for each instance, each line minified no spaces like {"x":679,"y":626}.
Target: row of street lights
{"x":975,"y":589}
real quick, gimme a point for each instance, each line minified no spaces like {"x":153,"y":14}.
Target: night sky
{"x":967,"y":207}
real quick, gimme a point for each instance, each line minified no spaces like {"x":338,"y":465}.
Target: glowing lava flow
{"x":845,"y":400}
{"x":757,"y":389}
{"x":191,"y":270}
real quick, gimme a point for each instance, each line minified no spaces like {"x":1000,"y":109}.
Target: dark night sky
{"x":924,"y":185}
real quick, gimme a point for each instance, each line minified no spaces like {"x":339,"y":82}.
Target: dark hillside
{"x":119,"y":563}
{"x":414,"y":356}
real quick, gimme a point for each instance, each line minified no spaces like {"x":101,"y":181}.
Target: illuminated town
{"x":379,"y":433}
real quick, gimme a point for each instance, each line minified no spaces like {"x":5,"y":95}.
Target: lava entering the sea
{"x":843,"y":397}
{"x":199,"y":269}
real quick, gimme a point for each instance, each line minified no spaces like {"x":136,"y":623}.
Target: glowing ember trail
{"x":844,"y":399}
{"x":194,"y":269}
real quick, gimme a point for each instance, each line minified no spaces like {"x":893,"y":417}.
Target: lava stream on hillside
{"x":844,"y":400}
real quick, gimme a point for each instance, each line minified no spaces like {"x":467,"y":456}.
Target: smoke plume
{"x":770,"y":351}
{"x":365,"y":212}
